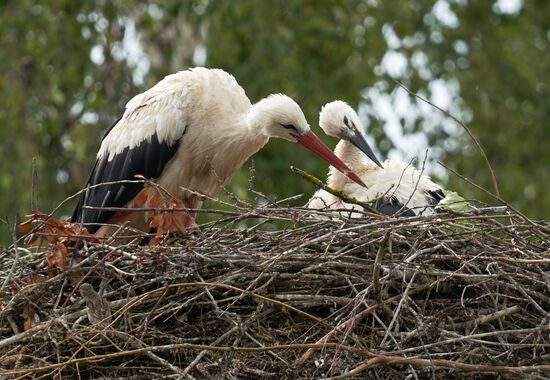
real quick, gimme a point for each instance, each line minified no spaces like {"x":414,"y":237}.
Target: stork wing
{"x":105,"y":186}
{"x":389,"y":205}
{"x":435,"y":196}
{"x":142,"y":142}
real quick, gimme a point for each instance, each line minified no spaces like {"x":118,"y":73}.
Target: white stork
{"x":399,"y":187}
{"x":190,"y":132}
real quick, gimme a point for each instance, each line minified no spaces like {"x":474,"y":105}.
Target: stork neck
{"x":351,"y":156}
{"x":257,"y":119}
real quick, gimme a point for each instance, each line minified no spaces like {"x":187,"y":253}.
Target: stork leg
{"x":185,"y":219}
{"x":177,"y":220}
{"x":188,"y":218}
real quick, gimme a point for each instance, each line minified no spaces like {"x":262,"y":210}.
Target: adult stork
{"x":190,"y":132}
{"x":399,"y":187}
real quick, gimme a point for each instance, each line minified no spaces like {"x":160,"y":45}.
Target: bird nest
{"x":450,"y":294}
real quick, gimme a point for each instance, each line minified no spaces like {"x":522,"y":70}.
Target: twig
{"x":486,"y":318}
{"x":461,"y":123}
{"x":340,"y":194}
{"x":220,"y":339}
{"x":377,"y":289}
{"x":180,"y":346}
{"x":479,"y":368}
{"x":342,"y":326}
{"x":415,"y":185}
{"x":312,"y":281}
{"x":15,"y":259}
{"x":34,"y":186}
{"x":497,"y":197}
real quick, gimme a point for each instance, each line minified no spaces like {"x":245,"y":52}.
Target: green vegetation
{"x":68,"y":67}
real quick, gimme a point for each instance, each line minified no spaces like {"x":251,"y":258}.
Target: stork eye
{"x":346,"y":121}
{"x":290,"y":126}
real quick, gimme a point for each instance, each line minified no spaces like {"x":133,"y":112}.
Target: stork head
{"x":339,"y":120}
{"x":280,"y":116}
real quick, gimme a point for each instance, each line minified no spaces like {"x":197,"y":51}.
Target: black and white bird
{"x":400,"y":188}
{"x":190,"y":133}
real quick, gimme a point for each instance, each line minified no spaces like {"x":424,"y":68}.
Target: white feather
{"x":173,"y":103}
{"x":398,"y":180}
{"x":218,"y":126}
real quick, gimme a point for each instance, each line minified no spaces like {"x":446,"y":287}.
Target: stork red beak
{"x":314,"y":144}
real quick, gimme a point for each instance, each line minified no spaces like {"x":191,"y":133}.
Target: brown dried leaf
{"x":34,"y":279}
{"x":57,"y":256}
{"x":25,"y":227}
{"x":141,"y":198}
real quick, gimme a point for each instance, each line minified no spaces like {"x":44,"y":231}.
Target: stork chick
{"x":190,"y":132}
{"x":399,"y":187}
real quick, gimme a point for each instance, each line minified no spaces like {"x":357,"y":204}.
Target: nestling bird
{"x":99,"y":310}
{"x":190,"y":132}
{"x":399,"y":187}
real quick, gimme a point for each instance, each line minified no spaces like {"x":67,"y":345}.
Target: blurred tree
{"x":69,"y":67}
{"x":505,"y":82}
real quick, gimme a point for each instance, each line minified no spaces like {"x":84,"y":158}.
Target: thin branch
{"x":339,"y":194}
{"x":463,"y":125}
{"x":478,"y":368}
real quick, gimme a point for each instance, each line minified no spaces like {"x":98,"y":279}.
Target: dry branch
{"x":440,"y":295}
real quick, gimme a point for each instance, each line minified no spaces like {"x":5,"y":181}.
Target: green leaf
{"x":453,"y":202}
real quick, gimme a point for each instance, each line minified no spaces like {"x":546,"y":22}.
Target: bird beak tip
{"x":360,"y":143}
{"x":356,"y":178}
{"x":313,"y":143}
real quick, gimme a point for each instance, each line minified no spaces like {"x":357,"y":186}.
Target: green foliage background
{"x":67,"y":68}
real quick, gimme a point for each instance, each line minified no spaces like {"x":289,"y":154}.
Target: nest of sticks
{"x":450,"y":294}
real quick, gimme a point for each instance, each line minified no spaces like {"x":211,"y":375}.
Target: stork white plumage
{"x":190,"y":132}
{"x":399,"y":187}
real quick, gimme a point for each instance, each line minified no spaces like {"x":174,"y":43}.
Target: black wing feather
{"x":147,"y":159}
{"x":389,"y":205}
{"x":434,"y":197}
